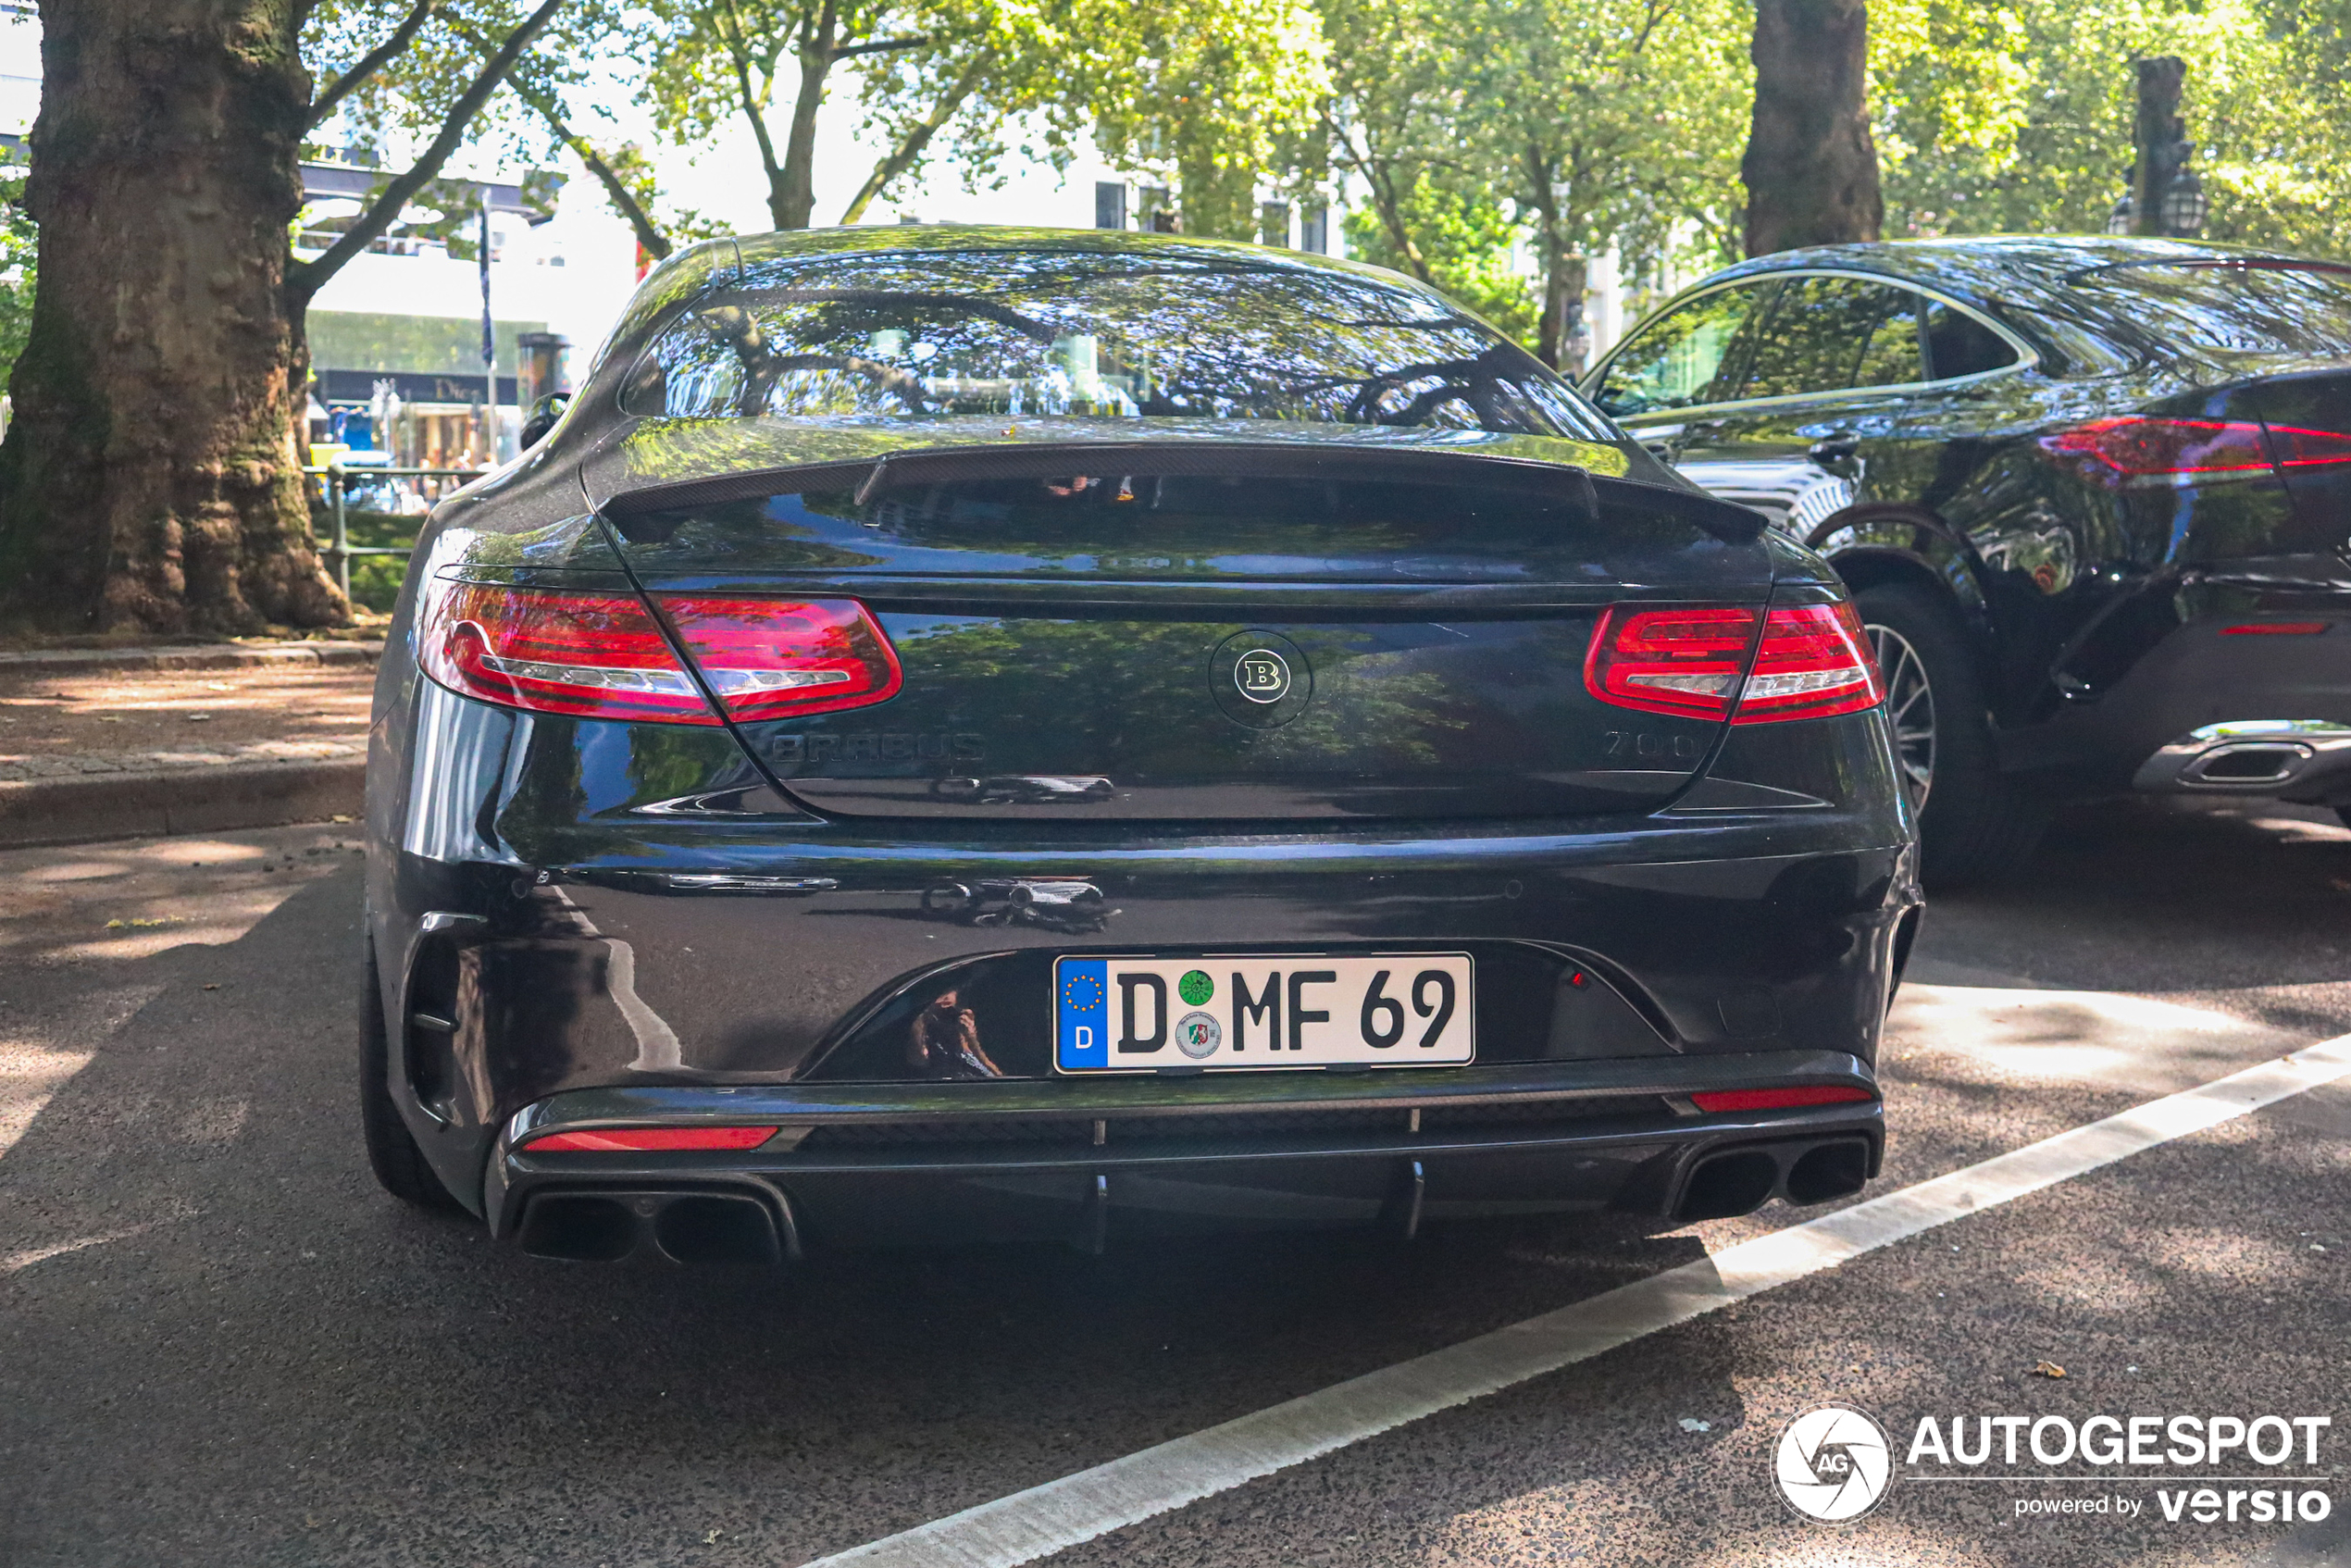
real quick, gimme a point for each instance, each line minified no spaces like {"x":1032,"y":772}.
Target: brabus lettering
{"x":814,"y":751}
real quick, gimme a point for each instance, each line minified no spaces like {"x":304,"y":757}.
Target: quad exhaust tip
{"x":679,"y":1226}
{"x":1739,"y":1181}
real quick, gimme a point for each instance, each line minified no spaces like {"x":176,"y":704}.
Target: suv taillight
{"x":2136,"y":446}
{"x":602,"y":656}
{"x":1694,"y":660}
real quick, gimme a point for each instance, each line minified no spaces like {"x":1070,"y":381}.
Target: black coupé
{"x":975,"y":732}
{"x":2093,"y":496}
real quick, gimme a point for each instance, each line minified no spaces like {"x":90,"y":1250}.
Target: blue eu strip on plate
{"x":1081,"y":1015}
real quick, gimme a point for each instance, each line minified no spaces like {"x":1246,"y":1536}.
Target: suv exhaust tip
{"x":579,"y":1228}
{"x":689,"y":1226}
{"x":709,"y":1228}
{"x":1723,"y":1187}
{"x":1732,"y":1182}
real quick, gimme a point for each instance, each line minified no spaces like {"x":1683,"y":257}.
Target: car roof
{"x":1990,"y":266}
{"x":968,"y":239}
{"x":2021,"y":281}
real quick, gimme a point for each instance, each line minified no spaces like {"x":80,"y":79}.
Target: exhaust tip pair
{"x":1739,"y":1181}
{"x":688,"y":1226}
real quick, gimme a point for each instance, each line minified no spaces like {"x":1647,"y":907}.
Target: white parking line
{"x":1059,"y":1514}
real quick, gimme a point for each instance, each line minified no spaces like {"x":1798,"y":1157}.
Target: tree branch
{"x":882,"y":46}
{"x":1379,"y":174}
{"x":372,"y":61}
{"x":305,"y":278}
{"x":550,"y":108}
{"x":903,"y":156}
{"x":754,"y":103}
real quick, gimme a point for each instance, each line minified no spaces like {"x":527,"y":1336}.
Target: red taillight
{"x":602,"y":656}
{"x":607,"y":1141}
{"x":1681,"y":659}
{"x":2275,"y":628}
{"x":2133,"y":446}
{"x":1815,"y":661}
{"x":777,"y":658}
{"x":1779,"y":1099}
{"x":2297,"y":448}
{"x":1694,"y":660}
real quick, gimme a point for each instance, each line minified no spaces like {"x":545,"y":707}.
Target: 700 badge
{"x":1241,"y":1013}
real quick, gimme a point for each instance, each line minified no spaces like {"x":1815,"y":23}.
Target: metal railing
{"x":341,"y":479}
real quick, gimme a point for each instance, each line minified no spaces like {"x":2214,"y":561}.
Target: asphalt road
{"x":220,"y":1344}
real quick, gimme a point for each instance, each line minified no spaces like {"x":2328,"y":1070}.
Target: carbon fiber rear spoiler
{"x":1557,"y":483}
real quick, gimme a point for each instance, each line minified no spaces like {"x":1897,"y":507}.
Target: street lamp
{"x":2184,"y":203}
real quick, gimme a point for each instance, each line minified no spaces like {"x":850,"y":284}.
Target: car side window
{"x":1690,"y":356}
{"x":1957,"y":345}
{"x":1824,"y":335}
{"x":1897,"y":351}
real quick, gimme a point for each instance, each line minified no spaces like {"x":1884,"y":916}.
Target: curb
{"x":82,"y":810}
{"x":91,"y":661}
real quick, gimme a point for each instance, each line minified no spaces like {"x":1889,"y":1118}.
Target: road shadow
{"x":2212,"y":897}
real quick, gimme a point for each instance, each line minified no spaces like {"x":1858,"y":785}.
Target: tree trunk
{"x":150,"y":480}
{"x":1560,"y":339}
{"x":2160,"y":137}
{"x":791,"y":191}
{"x":1810,"y":168}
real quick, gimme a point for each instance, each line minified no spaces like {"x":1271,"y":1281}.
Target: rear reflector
{"x":1693,"y":660}
{"x":2133,"y":447}
{"x":2275,"y":628}
{"x":602,"y":656}
{"x":1779,"y":1099}
{"x":606,"y":1140}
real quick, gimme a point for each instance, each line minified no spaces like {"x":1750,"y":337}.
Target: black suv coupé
{"x":964,"y":732}
{"x":2093,"y":496}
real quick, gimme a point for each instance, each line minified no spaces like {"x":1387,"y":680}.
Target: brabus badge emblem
{"x":1262,"y":675}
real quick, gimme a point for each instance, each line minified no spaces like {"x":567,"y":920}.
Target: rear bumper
{"x":1089,"y":1162}
{"x":556,"y":914}
{"x":2297,"y":759}
{"x":2201,"y":694}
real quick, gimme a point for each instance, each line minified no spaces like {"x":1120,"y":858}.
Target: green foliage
{"x":375,"y":579}
{"x":19,"y":258}
{"x":2018,"y":117}
{"x":1556,"y":127}
{"x":1201,"y":91}
{"x":1466,"y":238}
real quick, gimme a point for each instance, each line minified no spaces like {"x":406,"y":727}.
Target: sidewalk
{"x":122,"y":742}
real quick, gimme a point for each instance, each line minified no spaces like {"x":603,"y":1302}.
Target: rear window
{"x":2261,"y":306}
{"x":1158,"y":334}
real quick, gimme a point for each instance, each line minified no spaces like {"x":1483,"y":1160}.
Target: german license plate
{"x":1233,"y":1014}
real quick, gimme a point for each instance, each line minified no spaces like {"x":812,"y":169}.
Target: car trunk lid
{"x":1214,"y":630}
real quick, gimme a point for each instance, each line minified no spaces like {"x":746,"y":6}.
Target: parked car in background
{"x":968,"y":733}
{"x":2092,"y":495}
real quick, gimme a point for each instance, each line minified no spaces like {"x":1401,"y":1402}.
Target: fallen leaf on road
{"x":2048,"y":1369}
{"x":214,"y":987}
{"x":146,"y":925}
